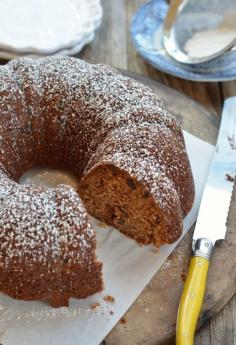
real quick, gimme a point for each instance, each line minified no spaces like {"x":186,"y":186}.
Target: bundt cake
{"x":127,"y":151}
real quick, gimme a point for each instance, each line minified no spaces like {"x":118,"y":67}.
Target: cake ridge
{"x":127,"y":151}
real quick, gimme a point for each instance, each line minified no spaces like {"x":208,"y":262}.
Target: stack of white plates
{"x":47,"y":27}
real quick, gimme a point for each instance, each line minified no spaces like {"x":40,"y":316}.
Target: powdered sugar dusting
{"x":47,"y":223}
{"x":64,"y":111}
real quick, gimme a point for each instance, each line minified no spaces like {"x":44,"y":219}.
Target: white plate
{"x":44,"y":27}
{"x":70,"y":51}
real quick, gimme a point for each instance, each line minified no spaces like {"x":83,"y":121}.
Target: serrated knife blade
{"x":210,"y":225}
{"x":213,"y":212}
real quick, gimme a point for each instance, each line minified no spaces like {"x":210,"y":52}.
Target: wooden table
{"x":113,"y":46}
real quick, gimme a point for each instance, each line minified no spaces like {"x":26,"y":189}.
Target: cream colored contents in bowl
{"x":209,"y":42}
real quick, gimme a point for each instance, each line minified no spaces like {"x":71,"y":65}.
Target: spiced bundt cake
{"x":127,"y":151}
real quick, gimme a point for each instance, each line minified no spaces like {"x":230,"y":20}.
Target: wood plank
{"x":109,"y":46}
{"x":203,"y":337}
{"x":228,"y":89}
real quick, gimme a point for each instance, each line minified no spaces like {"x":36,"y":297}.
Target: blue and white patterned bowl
{"x":146,"y":32}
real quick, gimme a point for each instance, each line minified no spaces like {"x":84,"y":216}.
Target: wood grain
{"x":113,"y":46}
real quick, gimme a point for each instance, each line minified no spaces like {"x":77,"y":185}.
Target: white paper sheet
{"x":127,"y":269}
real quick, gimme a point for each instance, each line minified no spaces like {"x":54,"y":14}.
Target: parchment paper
{"x":127,"y":270}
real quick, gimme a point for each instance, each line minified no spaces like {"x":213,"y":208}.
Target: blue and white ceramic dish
{"x":146,"y":32}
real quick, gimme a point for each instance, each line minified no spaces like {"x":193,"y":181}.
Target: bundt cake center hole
{"x":49,"y":177}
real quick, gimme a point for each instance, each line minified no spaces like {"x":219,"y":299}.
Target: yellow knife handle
{"x":193,"y":295}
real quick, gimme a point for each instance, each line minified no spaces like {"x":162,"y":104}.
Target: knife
{"x":210,"y":225}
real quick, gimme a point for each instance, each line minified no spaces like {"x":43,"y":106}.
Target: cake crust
{"x":127,"y":151}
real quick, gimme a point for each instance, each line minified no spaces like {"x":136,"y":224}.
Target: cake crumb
{"x":102,"y":225}
{"x":109,"y":299}
{"x":111,"y":312}
{"x":95,"y":305}
{"x":123,"y":320}
{"x":229,"y":178}
{"x":183,"y":276}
